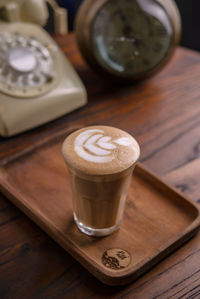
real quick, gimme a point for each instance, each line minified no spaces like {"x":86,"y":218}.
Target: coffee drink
{"x":101,"y":160}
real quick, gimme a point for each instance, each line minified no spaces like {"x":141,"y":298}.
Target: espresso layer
{"x":99,"y":205}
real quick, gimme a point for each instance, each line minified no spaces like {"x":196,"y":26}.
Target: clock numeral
{"x":161,"y":31}
{"x":157,"y":47}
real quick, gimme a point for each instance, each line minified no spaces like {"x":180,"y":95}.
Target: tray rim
{"x":118,"y":277}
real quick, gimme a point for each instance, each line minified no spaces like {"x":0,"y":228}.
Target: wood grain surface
{"x":157,"y":219}
{"x":163,"y":113}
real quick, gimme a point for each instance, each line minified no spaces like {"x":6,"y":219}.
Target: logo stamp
{"x":116,"y":258}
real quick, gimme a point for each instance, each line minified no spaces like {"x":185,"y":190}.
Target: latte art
{"x":100,"y":150}
{"x":93,"y":146}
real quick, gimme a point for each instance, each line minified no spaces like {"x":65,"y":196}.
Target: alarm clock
{"x":127,"y":39}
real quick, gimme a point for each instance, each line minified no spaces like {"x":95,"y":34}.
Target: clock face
{"x":131,"y":37}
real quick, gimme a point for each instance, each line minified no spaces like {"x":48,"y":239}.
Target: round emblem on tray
{"x":116,"y":258}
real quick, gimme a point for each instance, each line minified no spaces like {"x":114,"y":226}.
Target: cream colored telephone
{"x":37,"y":83}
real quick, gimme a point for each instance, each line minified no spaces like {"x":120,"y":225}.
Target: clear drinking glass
{"x":101,"y":161}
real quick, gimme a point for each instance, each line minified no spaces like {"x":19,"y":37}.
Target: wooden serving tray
{"x":157,"y":218}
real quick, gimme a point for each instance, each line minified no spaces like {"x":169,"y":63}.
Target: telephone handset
{"x":37,"y":83}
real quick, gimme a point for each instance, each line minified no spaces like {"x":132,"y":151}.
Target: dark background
{"x":190,"y":15}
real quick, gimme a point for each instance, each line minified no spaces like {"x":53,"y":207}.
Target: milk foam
{"x":93,"y":146}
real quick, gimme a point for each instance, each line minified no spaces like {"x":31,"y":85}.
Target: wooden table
{"x":163,"y":113}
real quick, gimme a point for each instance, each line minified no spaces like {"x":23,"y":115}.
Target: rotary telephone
{"x":37,"y":83}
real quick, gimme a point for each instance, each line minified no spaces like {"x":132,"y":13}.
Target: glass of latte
{"x":100,"y":160}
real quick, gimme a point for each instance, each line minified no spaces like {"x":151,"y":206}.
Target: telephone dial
{"x":37,"y":83}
